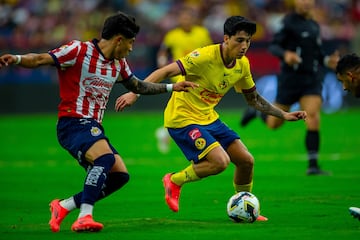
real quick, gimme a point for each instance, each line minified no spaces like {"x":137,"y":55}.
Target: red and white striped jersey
{"x":86,"y":78}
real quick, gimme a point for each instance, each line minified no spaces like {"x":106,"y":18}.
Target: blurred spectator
{"x":41,"y":24}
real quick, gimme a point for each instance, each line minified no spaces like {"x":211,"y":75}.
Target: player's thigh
{"x":275,"y":122}
{"x":239,"y":153}
{"x":311,"y":104}
{"x":99,"y":148}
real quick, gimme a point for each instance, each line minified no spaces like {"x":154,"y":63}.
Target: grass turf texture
{"x":34,"y":169}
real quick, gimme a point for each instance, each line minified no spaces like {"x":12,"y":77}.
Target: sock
{"x":96,"y":177}
{"x":186,"y":175}
{"x":243,"y":187}
{"x":68,"y":203}
{"x":86,"y":209}
{"x":312,"y":142}
{"x":113,"y":182}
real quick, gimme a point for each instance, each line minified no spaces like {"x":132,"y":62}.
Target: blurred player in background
{"x":332,"y":92}
{"x":178,"y":42}
{"x":298,"y":45}
{"x":87,"y":72}
{"x":348,"y":73}
{"x":207,"y":142}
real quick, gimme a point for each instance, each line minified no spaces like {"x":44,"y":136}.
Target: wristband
{"x":169,"y":87}
{"x":18,"y":59}
{"x":138,"y":95}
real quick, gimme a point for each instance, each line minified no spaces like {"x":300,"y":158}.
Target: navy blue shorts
{"x":293,"y":86}
{"x":77,"y":135}
{"x":196,"y":141}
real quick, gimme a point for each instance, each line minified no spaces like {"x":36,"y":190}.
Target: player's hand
{"x":332,"y":60}
{"x":184,"y":86}
{"x":291,"y":58}
{"x":125,"y":100}
{"x":294,"y":116}
{"x":7,"y":59}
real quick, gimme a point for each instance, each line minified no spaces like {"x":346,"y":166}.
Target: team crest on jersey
{"x":224,"y":84}
{"x":95,"y":131}
{"x":189,"y":60}
{"x":195,"y":54}
{"x":200,"y":143}
{"x":239,"y":71}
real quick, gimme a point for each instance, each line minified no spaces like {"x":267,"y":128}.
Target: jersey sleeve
{"x":125,"y":71}
{"x":192,"y":63}
{"x":246,"y":82}
{"x":65,"y":56}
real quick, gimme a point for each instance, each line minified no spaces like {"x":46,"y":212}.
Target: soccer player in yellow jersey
{"x":183,"y":39}
{"x":179,"y":41}
{"x":208,"y":143}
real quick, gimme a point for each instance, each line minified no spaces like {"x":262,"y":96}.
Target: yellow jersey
{"x":205,"y":66}
{"x":181,"y":43}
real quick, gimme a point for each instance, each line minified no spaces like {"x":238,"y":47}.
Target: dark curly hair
{"x":348,"y":62}
{"x":120,"y":23}
{"x":238,"y":23}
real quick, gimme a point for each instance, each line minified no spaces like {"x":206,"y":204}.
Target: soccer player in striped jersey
{"x":207,"y":142}
{"x":87,"y":72}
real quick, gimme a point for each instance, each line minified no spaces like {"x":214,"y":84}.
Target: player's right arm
{"x":255,"y":100}
{"x":30,"y":60}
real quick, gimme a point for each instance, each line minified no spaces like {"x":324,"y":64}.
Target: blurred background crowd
{"x":41,"y":25}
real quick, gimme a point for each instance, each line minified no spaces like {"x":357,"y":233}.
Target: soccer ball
{"x":243,"y":207}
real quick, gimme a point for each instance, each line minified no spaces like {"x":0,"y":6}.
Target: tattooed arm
{"x":149,"y":88}
{"x":150,"y":85}
{"x":146,"y":88}
{"x":255,"y":100}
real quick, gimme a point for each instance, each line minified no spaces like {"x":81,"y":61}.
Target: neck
{"x":228,"y":61}
{"x":105,"y":48}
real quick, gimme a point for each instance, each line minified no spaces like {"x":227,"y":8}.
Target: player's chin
{"x":239,"y":56}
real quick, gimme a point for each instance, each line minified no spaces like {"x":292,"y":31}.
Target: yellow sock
{"x":244,"y":187}
{"x":184,"y":176}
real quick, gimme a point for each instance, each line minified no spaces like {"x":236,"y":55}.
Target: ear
{"x":350,"y":76}
{"x":226,"y":38}
{"x":118,"y":39}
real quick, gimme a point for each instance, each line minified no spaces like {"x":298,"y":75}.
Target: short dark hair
{"x":348,"y":62}
{"x":120,"y":23}
{"x":235,"y":24}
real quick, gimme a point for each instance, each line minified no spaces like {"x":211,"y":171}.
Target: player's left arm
{"x":135,"y":85}
{"x":29,"y":60}
{"x":151,"y":84}
{"x":255,"y":100}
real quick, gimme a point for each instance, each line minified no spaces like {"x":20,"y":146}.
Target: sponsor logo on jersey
{"x":195,"y":133}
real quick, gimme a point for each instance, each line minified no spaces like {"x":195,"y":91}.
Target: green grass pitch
{"x":34,"y":169}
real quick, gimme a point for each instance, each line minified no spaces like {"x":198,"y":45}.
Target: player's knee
{"x":248,"y":161}
{"x":220,"y":164}
{"x":105,"y":161}
{"x":273,"y":124}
